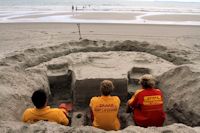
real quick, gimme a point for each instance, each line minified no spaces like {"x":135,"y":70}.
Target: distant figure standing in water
{"x":104,"y":108}
{"x":72,"y":8}
{"x":147,"y":104}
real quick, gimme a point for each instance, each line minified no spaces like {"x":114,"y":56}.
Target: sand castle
{"x":71,"y":72}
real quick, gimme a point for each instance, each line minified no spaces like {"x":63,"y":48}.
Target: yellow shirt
{"x":32,"y":115}
{"x":105,"y":110}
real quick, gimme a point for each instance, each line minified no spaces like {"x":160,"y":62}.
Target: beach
{"x":69,"y":52}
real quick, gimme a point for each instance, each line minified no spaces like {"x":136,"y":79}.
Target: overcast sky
{"x":172,"y":0}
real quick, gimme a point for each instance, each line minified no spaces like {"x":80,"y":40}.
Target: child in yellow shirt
{"x":43,"y":112}
{"x":104,"y":109}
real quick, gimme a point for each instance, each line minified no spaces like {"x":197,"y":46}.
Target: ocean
{"x":21,"y":8}
{"x":100,"y":5}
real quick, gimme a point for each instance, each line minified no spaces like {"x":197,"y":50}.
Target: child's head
{"x":106,"y":87}
{"x":39,"y":98}
{"x":147,"y":81}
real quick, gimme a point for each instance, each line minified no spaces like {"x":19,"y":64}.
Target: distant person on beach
{"x":147,"y":104}
{"x":72,"y":8}
{"x":104,"y":108}
{"x":43,"y":112}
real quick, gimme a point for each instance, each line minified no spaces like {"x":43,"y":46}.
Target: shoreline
{"x":106,"y":23}
{"x":162,"y":18}
{"x":99,"y":23}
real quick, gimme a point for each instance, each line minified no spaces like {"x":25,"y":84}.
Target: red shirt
{"x":148,"y":107}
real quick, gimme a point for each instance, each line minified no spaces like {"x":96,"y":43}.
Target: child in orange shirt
{"x":44,"y":112}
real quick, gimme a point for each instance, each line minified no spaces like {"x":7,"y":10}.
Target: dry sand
{"x":16,"y":37}
{"x":38,"y":43}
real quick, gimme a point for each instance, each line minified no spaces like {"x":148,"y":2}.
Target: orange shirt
{"x":32,"y":115}
{"x":105,"y":110}
{"x":148,"y":107}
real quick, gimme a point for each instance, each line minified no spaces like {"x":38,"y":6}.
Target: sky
{"x":173,"y":0}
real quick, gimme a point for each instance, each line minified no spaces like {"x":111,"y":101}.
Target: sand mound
{"x":20,"y":75}
{"x":16,"y":88}
{"x":50,"y":127}
{"x":181,"y":87}
{"x":33,"y":57}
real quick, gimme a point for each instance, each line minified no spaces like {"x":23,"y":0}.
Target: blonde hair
{"x":147,"y":81}
{"x":106,"y":87}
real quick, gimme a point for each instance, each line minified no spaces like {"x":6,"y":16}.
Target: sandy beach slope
{"x":19,"y":36}
{"x":26,"y":47}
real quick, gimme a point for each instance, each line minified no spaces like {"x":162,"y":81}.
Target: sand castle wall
{"x":90,"y":68}
{"x":85,"y":89}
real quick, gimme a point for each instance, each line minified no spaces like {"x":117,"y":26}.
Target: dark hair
{"x":145,"y":84}
{"x":147,"y":81}
{"x":106,"y":87}
{"x":39,"y":98}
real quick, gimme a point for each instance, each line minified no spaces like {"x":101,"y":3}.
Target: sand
{"x":16,"y":37}
{"x":42,"y":15}
{"x":173,"y":17}
{"x":52,"y":128}
{"x":106,"y":16}
{"x":25,"y":48}
{"x":123,"y":17}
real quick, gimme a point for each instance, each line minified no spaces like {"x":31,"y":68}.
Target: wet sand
{"x":106,"y":16}
{"x":173,"y":17}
